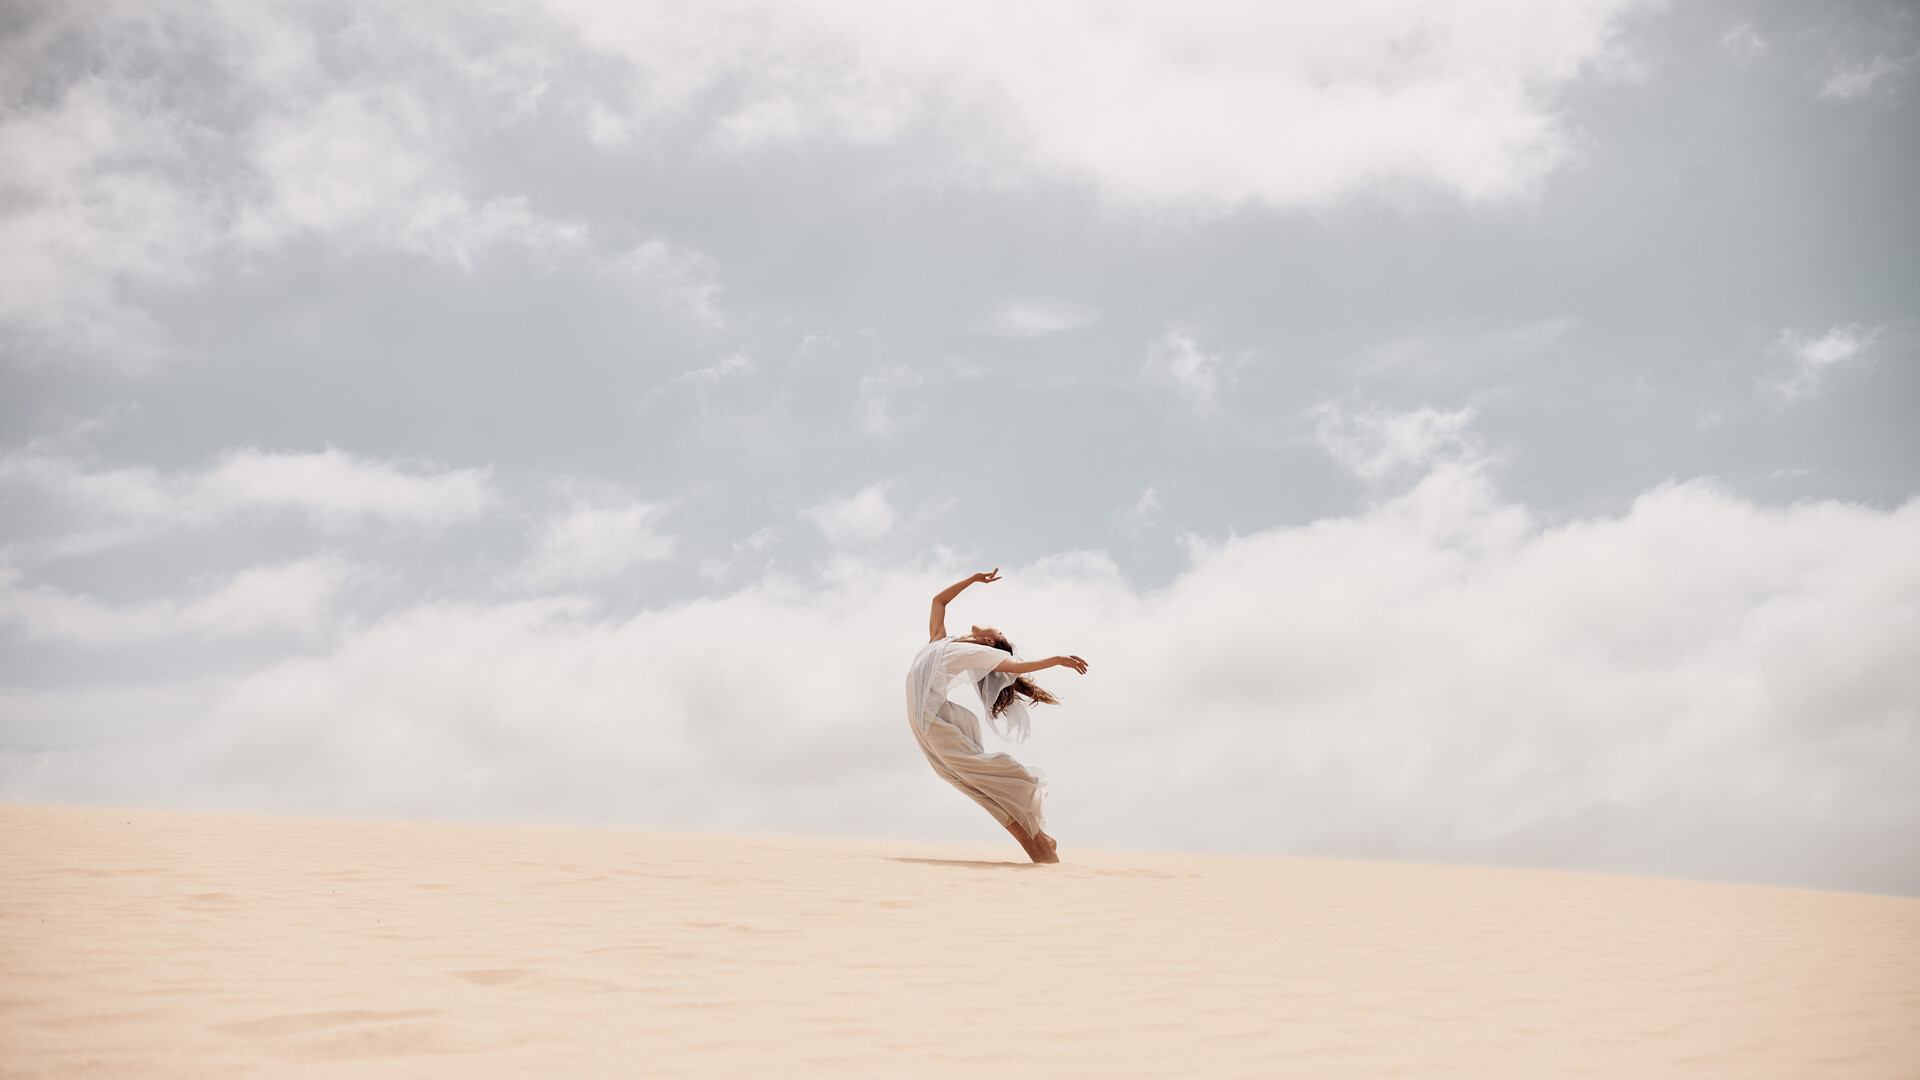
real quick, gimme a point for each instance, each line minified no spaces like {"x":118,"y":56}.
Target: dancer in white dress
{"x":949,"y":733}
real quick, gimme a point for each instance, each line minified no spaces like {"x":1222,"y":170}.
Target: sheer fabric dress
{"x":949,"y":732}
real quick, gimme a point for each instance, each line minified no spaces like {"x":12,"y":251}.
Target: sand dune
{"x":160,"y":944}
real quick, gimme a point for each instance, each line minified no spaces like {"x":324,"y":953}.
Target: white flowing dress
{"x":949,"y":733}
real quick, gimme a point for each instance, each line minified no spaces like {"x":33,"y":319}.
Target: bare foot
{"x":1040,"y":848}
{"x":1045,"y":849}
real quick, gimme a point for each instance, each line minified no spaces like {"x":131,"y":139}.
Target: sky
{"x":1460,"y":430}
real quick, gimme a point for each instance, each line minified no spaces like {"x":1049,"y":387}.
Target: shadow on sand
{"x":973,"y":863}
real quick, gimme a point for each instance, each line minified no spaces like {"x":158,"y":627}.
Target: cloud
{"x":1852,"y":82}
{"x":131,"y":166}
{"x":91,"y":198}
{"x":1147,"y":505}
{"x":1376,"y":444}
{"x":363,"y":167}
{"x":1139,"y":516}
{"x":727,"y":367}
{"x":291,"y":598}
{"x":333,"y":488}
{"x":1697,"y":686}
{"x":1743,"y":44}
{"x":342,"y":489}
{"x":1814,"y":359}
{"x":1176,"y":360}
{"x":1038,"y":317}
{"x":1462,"y":352}
{"x":1215,"y":103}
{"x":878,"y":390}
{"x":682,"y":279}
{"x":732,"y":366}
{"x":813,"y":347}
{"x":717,"y":569}
{"x":589,"y":542}
{"x":857,"y":518}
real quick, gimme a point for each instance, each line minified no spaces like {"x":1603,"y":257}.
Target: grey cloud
{"x":592,"y":541}
{"x":1376,"y":443}
{"x":1860,"y":79}
{"x":1814,"y":358}
{"x":1177,"y":361}
{"x":1038,"y":317}
{"x":1309,"y":81}
{"x":880,"y":415}
{"x":333,"y":488}
{"x":865,"y":515}
{"x":1743,"y":44}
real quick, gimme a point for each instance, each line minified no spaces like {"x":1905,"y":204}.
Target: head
{"x":1021,"y":686}
{"x":987,"y":635}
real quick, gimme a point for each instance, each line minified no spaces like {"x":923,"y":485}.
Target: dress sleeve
{"x":966,"y":658}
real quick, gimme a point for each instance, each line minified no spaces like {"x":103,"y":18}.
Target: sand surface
{"x":135,"y":943}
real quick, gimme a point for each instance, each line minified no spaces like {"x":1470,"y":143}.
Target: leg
{"x":1003,"y":786}
{"x":1026,"y":841}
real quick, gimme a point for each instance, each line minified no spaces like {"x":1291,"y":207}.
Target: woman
{"x":949,"y":733}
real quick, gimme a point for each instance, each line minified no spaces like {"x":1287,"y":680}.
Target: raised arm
{"x":1021,"y":667}
{"x":937,"y":622}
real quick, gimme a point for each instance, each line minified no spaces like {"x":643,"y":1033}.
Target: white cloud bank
{"x":1698,"y":686}
{"x":289,"y":598}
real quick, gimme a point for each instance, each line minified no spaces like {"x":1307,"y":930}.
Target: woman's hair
{"x":1021,"y":685}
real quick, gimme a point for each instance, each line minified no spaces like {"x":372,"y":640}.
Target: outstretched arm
{"x":937,"y":622}
{"x":1021,"y":667}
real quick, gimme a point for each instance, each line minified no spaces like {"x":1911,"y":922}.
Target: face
{"x":985,"y":635}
